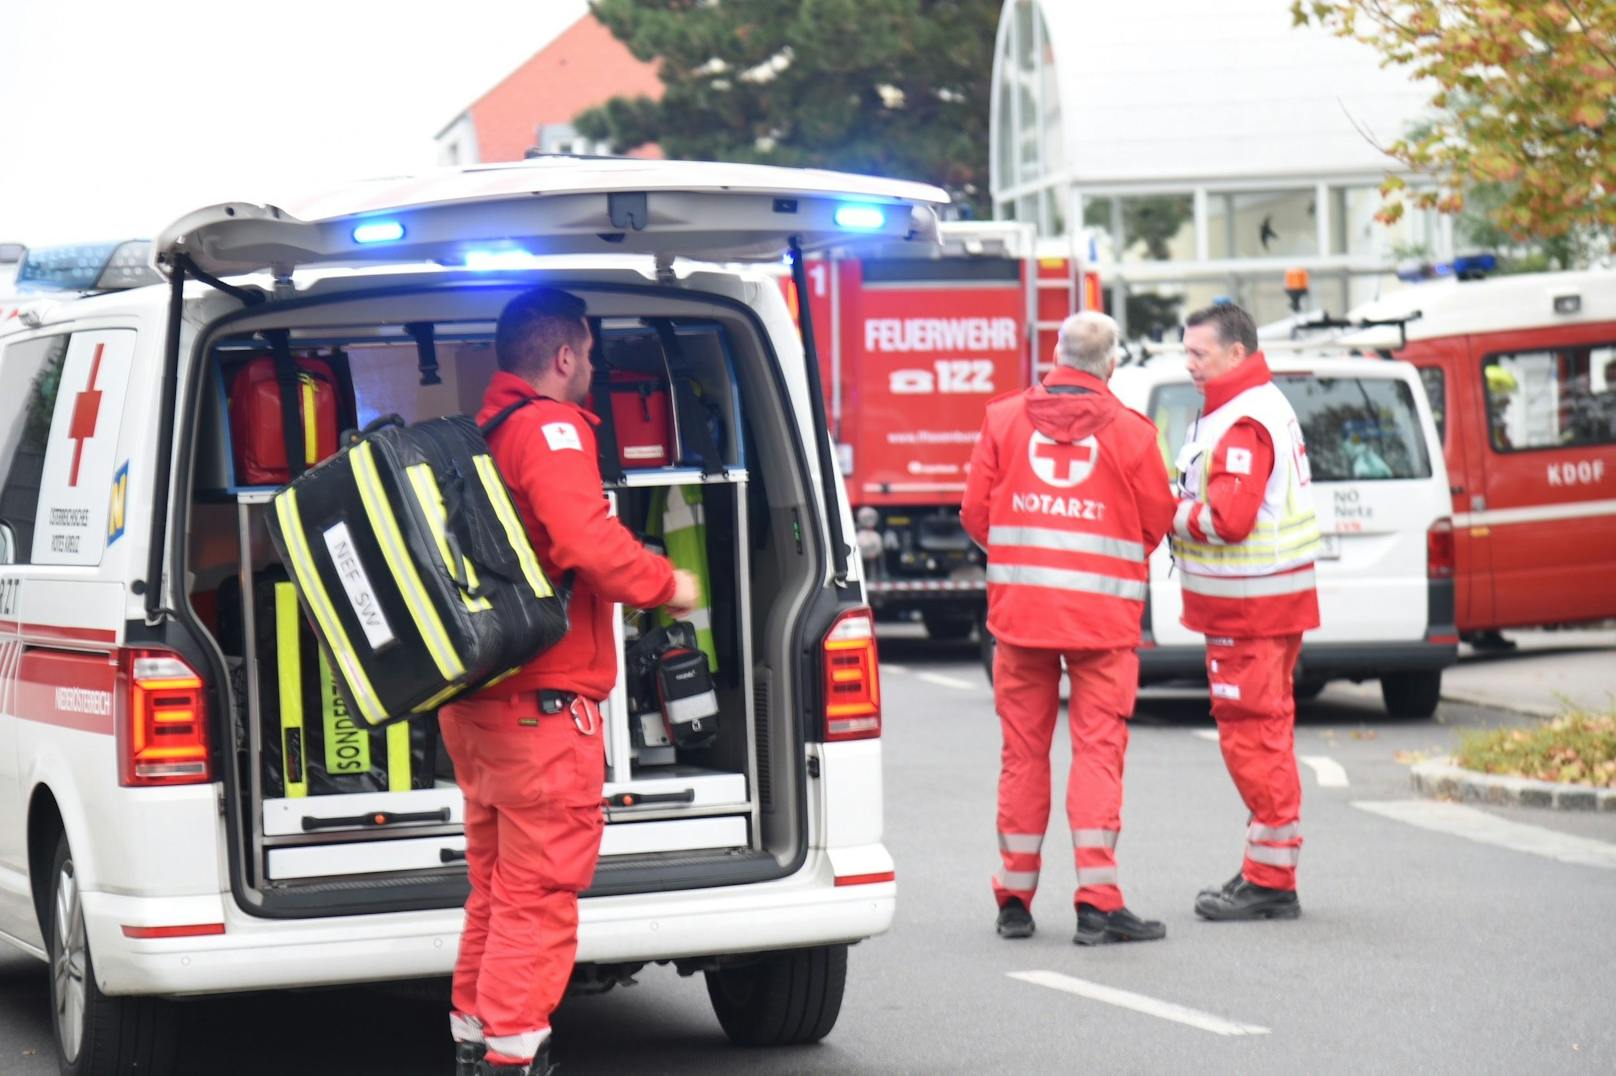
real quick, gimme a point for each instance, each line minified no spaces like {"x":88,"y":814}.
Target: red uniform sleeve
{"x":560,"y":478}
{"x":979,"y":483}
{"x":1237,"y":478}
{"x":1154,"y":495}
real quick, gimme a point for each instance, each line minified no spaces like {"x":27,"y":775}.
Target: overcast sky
{"x":117,"y":116}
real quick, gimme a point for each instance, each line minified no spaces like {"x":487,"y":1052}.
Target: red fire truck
{"x":911,"y":349}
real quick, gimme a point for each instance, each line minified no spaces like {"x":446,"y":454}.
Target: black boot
{"x":1015,"y":921}
{"x":467,"y":1054}
{"x":1226,"y":887}
{"x":539,"y":1066}
{"x":1095,"y":927}
{"x":1248,"y":901}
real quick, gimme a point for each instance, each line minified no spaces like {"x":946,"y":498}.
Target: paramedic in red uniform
{"x":1245,"y":539}
{"x":529,"y":752}
{"x":1068,"y":494}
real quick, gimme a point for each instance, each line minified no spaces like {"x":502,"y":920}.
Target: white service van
{"x":148,"y":847}
{"x":1380,"y":488}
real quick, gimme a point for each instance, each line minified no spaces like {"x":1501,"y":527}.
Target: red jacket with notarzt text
{"x":1068,"y":494}
{"x":546,"y":453}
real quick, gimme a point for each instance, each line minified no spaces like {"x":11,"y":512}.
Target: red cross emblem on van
{"x":86,"y":410}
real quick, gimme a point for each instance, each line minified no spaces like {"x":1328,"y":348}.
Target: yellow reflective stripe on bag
{"x":289,"y":665}
{"x":314,"y":592}
{"x":430,"y":498}
{"x":505,"y":511}
{"x":399,"y":778}
{"x":391,"y":540}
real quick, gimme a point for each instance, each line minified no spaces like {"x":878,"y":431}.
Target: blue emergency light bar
{"x":1464,"y":267}
{"x":379,"y":231}
{"x":860,"y":218}
{"x":88,"y":267}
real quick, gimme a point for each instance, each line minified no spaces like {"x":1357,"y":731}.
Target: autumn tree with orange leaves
{"x":1524,"y":114}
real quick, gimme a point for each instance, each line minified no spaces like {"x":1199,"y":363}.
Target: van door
{"x":1548,"y":409}
{"x":1451,"y":386}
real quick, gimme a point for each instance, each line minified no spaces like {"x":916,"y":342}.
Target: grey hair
{"x":1088,"y":341}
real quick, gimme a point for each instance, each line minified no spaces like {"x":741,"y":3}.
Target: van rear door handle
{"x":1455,"y":490}
{"x":1478,"y":503}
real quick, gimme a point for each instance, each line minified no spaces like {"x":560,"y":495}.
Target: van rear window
{"x":1357,"y":429}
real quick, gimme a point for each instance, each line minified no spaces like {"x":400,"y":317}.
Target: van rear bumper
{"x":1322,"y":661}
{"x":806,"y":909}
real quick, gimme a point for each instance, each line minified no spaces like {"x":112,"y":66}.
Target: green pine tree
{"x":896,"y":88}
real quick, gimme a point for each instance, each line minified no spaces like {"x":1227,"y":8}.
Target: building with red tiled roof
{"x":533,"y":107}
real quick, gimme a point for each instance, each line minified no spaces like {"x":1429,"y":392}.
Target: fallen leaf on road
{"x":1364,"y":734}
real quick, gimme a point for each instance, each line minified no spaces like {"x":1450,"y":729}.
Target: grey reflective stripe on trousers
{"x":1066,"y":542}
{"x":1087,"y":876}
{"x":1234,"y":586}
{"x":1094,"y":838}
{"x":1022,"y":880}
{"x":694,"y":708}
{"x":1029,"y":575}
{"x":1021,"y":843}
{"x":1289,"y":832}
{"x":1273,"y":857}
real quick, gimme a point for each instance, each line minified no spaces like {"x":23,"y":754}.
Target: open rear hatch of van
{"x":329,"y":818}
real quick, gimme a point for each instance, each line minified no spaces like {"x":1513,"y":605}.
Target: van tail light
{"x":1439,"y":550}
{"x":852,"y":678}
{"x":162,"y":724}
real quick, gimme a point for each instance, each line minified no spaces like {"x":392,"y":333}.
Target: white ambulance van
{"x":154,"y":840}
{"x":1385,"y":575}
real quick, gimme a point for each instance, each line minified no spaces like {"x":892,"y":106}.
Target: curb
{"x":1491,"y":703}
{"x":1442,"y":779}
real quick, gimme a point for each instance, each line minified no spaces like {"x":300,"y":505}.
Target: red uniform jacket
{"x":1068,"y":494}
{"x":546,"y":453}
{"x":1235,"y":496}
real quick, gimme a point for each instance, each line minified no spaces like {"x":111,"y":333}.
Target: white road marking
{"x":1126,"y":999}
{"x":1477,"y":825}
{"x":1206,"y":734}
{"x":948,"y":681}
{"x":892,"y":666}
{"x":1331,"y":774}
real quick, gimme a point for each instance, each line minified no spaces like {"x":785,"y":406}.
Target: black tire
{"x":1308,"y":689}
{"x":96,"y":1035}
{"x":781,"y":999}
{"x":947,"y":627}
{"x":1412,"y":694}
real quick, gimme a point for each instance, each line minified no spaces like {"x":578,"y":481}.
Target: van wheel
{"x":782,"y":999}
{"x":1412,"y":694}
{"x":96,"y":1035}
{"x":947,"y":627}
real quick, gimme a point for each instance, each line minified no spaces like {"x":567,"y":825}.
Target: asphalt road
{"x":1419,"y":950}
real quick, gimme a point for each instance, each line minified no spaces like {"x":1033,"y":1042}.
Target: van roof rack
{"x":1325,"y":321}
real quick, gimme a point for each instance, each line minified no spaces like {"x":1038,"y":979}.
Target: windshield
{"x":1357,"y":429}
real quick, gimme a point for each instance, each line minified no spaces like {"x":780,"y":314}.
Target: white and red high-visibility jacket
{"x":1068,"y":494}
{"x":1244,"y":535}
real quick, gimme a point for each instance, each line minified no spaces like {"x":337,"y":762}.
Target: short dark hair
{"x":1233,"y":325}
{"x":534,"y":325}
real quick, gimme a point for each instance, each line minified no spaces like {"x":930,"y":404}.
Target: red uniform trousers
{"x":1255,"y":709}
{"x":1026,"y":692}
{"x":532,"y":783}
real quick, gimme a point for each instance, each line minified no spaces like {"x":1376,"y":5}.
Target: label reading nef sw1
{"x":360,"y":593}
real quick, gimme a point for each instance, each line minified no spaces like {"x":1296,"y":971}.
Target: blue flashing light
{"x":486,"y":260}
{"x":1472,"y":266}
{"x":379,"y":231}
{"x":860,"y":218}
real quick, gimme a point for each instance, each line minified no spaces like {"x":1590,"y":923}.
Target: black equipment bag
{"x":670,"y":674}
{"x":415,"y":567}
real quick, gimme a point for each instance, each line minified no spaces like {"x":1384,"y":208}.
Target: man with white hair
{"x":1068,"y":493}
